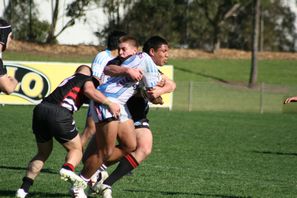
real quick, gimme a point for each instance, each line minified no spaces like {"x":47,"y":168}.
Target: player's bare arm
{"x":165,"y":86}
{"x":91,"y":92}
{"x":290,"y":99}
{"x":7,"y":84}
{"x":115,"y":70}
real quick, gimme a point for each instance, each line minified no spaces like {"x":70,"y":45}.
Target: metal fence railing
{"x":214,"y":96}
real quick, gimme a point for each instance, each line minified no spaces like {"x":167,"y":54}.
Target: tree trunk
{"x":256,"y":19}
{"x":216,"y":39}
{"x":51,"y":34}
{"x":261,"y":30}
{"x":30,"y":33}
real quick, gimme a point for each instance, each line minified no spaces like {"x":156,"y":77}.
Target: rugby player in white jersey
{"x":98,"y":65}
{"x":157,"y":48}
{"x":117,"y":89}
{"x":128,"y":46}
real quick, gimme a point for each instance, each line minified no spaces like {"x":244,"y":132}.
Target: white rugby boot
{"x":104,"y":190}
{"x":68,"y":175}
{"x":21,"y":193}
{"x":97,"y":179}
{"x":77,"y":192}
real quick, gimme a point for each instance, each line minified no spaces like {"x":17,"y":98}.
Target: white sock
{"x":95,"y":175}
{"x":85,"y":179}
{"x":103,"y":167}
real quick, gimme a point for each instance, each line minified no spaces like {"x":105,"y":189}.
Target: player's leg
{"x":104,"y":140}
{"x":144,"y":139}
{"x":44,"y":144}
{"x":72,"y":159}
{"x":63,"y":128}
{"x":90,"y":127}
{"x":105,"y":137}
{"x":37,"y":162}
{"x":127,"y":138}
{"x":127,"y":142}
{"x":88,"y":131}
{"x":99,"y":149}
{"x":144,"y":148}
{"x":34,"y":167}
{"x":74,"y":151}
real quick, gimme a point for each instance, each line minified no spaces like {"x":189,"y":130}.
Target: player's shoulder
{"x":103,"y":53}
{"x":82,"y":77}
{"x":142,"y":55}
{"x":138,"y":57}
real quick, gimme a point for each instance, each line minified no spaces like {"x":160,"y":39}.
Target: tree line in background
{"x":203,"y":24}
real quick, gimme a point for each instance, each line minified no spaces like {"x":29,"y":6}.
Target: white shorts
{"x":101,"y":113}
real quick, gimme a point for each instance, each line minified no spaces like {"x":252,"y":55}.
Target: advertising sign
{"x":38,"y":79}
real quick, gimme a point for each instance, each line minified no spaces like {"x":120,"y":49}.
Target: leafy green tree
{"x":75,"y":11}
{"x":218,"y":13}
{"x":278,"y":31}
{"x":146,"y":18}
{"x":186,"y":23}
{"x":23,"y":16}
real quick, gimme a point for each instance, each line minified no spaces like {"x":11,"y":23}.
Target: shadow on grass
{"x":275,"y":153}
{"x":10,"y":193}
{"x":45,"y":170}
{"x":201,"y":74}
{"x":166,"y":193}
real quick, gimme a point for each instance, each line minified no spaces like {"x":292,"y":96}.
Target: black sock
{"x":127,"y":164}
{"x":27,"y":183}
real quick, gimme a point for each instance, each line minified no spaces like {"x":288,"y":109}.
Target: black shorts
{"x":139,"y":109}
{"x":51,"y":120}
{"x":3,"y":70}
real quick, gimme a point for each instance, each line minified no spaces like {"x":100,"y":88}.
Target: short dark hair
{"x":154,"y":42}
{"x":130,"y":39}
{"x":113,"y":39}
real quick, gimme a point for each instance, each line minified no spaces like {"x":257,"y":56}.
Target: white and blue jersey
{"x":98,"y":65}
{"x":100,"y":61}
{"x":120,"y":89}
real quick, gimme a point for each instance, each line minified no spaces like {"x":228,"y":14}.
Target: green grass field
{"x":197,"y":154}
{"x":223,"y":149}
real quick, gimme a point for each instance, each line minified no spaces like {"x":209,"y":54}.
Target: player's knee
{"x":108,"y":152}
{"x":146,"y":150}
{"x":35,"y":166}
{"x":131,"y":147}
